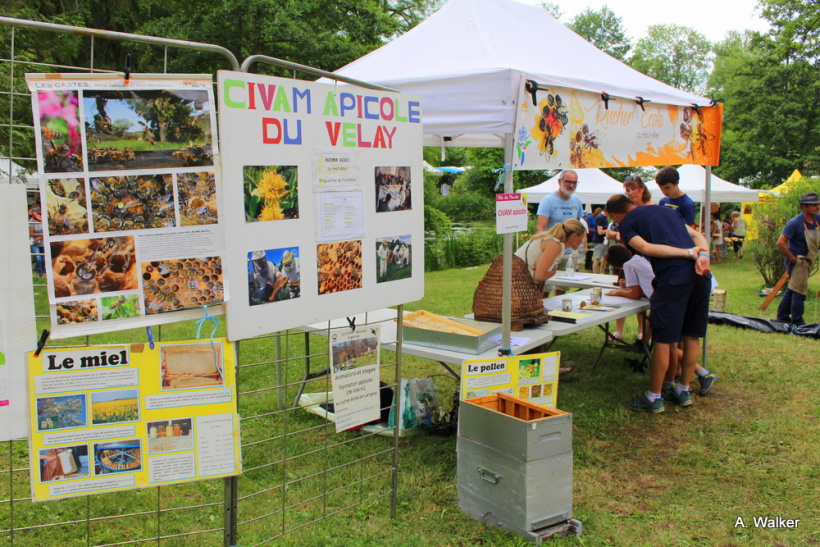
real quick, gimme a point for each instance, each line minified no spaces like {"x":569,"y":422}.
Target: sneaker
{"x":641,"y":403}
{"x":684,"y":399}
{"x":706,"y":383}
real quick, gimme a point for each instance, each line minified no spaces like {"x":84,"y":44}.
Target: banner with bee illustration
{"x":130,"y":199}
{"x":119,"y":417}
{"x":531,"y":377}
{"x":323,"y":200}
{"x":562,"y":128}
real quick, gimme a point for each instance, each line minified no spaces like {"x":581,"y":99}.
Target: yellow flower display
{"x":271,"y":211}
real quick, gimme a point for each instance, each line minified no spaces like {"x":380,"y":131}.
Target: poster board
{"x":17,"y":322}
{"x":569,"y":123}
{"x":531,"y":377}
{"x":120,"y":417}
{"x":323,"y":200}
{"x":355,"y":376}
{"x":131,"y":199}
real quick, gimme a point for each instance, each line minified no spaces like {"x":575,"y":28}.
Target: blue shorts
{"x":679,"y":310}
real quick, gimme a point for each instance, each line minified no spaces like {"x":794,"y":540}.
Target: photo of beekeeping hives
{"x":197,"y":198}
{"x":170,"y":285}
{"x":192,"y":365}
{"x":66,"y":207}
{"x":117,"y":457}
{"x":89,"y":266}
{"x":136,"y":202}
{"x":78,"y":311}
{"x":340,"y":266}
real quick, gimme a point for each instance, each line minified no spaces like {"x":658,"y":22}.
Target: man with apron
{"x":799,"y":243}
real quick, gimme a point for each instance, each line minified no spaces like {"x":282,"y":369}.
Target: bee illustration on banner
{"x":551,"y":123}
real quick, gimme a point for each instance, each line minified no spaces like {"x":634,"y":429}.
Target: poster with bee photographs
{"x":531,"y":377}
{"x":308,"y":168}
{"x":133,"y":234}
{"x":109,"y":418}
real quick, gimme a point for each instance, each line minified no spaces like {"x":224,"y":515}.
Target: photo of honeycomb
{"x":79,"y":311}
{"x":197,"y":198}
{"x":171,"y":285}
{"x":340,"y":266}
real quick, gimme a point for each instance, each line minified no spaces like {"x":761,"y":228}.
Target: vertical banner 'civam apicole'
{"x":567,"y":128}
{"x":323,"y":200}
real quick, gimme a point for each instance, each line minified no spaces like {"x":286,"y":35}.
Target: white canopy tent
{"x":594,"y":186}
{"x":468,"y":62}
{"x":693,"y":184}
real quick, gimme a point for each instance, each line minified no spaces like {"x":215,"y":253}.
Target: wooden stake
{"x":775,"y":290}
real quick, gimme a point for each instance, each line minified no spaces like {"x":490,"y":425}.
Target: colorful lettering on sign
{"x":275,"y":98}
{"x":371,"y":108}
{"x":351,"y":135}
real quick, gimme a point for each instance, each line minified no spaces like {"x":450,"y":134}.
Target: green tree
{"x":772,"y":104}
{"x":769,"y":218}
{"x":604,"y":30}
{"x":552,"y":8}
{"x":679,"y":56}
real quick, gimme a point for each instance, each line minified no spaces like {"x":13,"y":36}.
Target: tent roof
{"x":693,"y":183}
{"x":468,"y":60}
{"x":594,"y":186}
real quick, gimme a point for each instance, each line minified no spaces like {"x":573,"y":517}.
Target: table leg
{"x":605,"y":328}
{"x":451,"y":371}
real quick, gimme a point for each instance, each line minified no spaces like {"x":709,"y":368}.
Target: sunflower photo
{"x":271,"y":192}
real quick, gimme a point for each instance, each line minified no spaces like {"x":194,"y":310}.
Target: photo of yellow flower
{"x":271,"y":192}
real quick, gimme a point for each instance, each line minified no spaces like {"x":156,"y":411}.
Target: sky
{"x":712,"y":18}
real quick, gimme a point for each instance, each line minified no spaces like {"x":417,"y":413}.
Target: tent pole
{"x":506,"y":271}
{"x":708,"y":235}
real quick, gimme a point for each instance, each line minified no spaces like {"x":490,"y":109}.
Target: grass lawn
{"x":748,"y":449}
{"x":684,"y":477}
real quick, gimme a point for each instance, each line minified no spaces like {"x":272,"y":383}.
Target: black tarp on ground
{"x":810,"y":330}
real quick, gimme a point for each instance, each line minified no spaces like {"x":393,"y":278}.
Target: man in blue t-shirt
{"x":798,"y":243}
{"x":680,"y":301}
{"x":667,"y":180}
{"x":561,"y":205}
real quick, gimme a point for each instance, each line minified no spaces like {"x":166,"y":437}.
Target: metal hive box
{"x":524,"y":430}
{"x":515,"y":464}
{"x":427,"y":329}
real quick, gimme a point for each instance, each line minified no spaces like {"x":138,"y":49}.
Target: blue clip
{"x":501,"y":173}
{"x":150,"y":337}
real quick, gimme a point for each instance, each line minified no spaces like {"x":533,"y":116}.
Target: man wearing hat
{"x":290,"y":268}
{"x":261,"y":278}
{"x":799,"y":243}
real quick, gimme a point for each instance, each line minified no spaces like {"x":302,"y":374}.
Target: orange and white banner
{"x":576,"y":129}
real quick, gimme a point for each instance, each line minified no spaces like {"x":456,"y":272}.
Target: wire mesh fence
{"x":297,"y":471}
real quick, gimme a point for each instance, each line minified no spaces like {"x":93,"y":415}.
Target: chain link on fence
{"x":297,"y":471}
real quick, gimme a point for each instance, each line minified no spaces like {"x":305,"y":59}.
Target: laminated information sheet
{"x":531,"y":377}
{"x":119,"y":417}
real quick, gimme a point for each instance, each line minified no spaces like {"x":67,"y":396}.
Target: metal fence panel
{"x":297,"y":470}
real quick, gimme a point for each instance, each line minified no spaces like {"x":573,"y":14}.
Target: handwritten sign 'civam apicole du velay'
{"x":284,"y":100}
